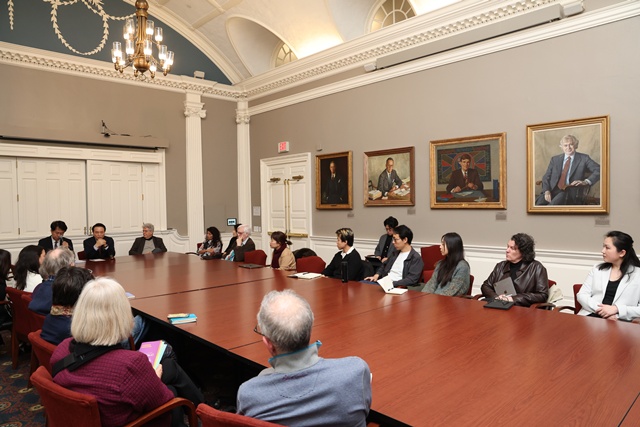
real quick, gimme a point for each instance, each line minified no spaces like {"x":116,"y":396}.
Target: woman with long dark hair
{"x":5,"y":272}
{"x":451,"y":276}
{"x":212,"y":245}
{"x":282,"y":258}
{"x":26,"y":273}
{"x":612,"y":288}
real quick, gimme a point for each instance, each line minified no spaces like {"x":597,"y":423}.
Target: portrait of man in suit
{"x":334,"y":191}
{"x":465,"y":178}
{"x":334,"y":181}
{"x":567,"y":174}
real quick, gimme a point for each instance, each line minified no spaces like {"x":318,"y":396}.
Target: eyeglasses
{"x":257,"y":331}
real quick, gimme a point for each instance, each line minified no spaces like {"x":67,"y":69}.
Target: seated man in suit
{"x":57,"y":239}
{"x":244,"y":244}
{"x":388,"y":179}
{"x":405,"y":265}
{"x":529,"y":276}
{"x":99,"y":246}
{"x":570,"y":169}
{"x":301,"y":388}
{"x":347,"y":255}
{"x":53,"y":262}
{"x":465,"y":178}
{"x":148,"y":243}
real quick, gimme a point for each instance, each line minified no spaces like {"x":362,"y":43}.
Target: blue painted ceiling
{"x":83,"y":30}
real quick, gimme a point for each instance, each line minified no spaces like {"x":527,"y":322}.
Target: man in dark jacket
{"x":148,"y":243}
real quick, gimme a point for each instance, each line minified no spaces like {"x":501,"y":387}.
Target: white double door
{"x":286,"y":192}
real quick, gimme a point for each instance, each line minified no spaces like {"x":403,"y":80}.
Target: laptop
{"x":505,"y":287}
{"x":387,"y":286}
{"x":251,"y":266}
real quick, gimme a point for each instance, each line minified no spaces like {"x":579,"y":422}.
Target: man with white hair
{"x":244,"y":244}
{"x":568,"y":170}
{"x":148,"y":243}
{"x":54,"y":261}
{"x":301,"y":388}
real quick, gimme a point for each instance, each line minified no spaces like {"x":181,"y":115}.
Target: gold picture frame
{"x":586,"y":183}
{"x":334,"y":192}
{"x":394,"y":188}
{"x":482,"y":185}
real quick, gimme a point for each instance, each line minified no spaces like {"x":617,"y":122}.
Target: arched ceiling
{"x":230,"y":40}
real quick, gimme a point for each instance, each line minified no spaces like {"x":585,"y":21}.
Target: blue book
{"x":177,"y":320}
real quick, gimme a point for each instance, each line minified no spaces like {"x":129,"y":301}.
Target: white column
{"x":244,"y":162}
{"x":195,"y":194}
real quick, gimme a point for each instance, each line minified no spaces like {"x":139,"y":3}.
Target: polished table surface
{"x":227,"y":315}
{"x":435,"y":360}
{"x":450,"y":361}
{"x":170,"y":273}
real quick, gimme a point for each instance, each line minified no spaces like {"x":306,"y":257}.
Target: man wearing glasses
{"x":405,"y":265}
{"x":301,"y":388}
{"x":244,"y":244}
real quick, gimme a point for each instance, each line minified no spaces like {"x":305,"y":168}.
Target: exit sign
{"x":283,"y":147}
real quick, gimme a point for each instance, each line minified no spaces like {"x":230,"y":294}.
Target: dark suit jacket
{"x":335,"y":191}
{"x":101,"y":253}
{"x":386,"y":184}
{"x":239,"y":251}
{"x":46,"y":243}
{"x":583,"y":167}
{"x":138,"y":245}
{"x":457,"y":179}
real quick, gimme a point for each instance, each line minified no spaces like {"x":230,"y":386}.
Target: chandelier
{"x":139,"y":41}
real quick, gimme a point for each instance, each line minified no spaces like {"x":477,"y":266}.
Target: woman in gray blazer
{"x":612,"y":289}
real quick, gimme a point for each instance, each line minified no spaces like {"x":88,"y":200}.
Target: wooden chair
{"x":41,"y":351}
{"x":578,"y":306}
{"x":310,"y":264}
{"x":256,"y":257}
{"x":471,"y":279}
{"x":35,"y":320}
{"x":65,"y":407}
{"x":211,"y":417}
{"x":81,"y":256}
{"x":430,"y":257}
{"x":21,"y":325}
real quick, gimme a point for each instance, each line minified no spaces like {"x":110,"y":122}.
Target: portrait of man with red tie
{"x":465,"y":178}
{"x":567,"y":171}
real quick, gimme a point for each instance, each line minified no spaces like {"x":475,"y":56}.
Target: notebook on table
{"x":387,"y":286}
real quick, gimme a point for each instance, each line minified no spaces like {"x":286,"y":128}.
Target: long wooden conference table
{"x":435,"y":360}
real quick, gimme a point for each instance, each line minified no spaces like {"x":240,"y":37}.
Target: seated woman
{"x":66,"y":290}
{"x":212,"y":246}
{"x":451,"y":276}
{"x":528,"y":275}
{"x":282,"y":258}
{"x":612,"y":288}
{"x":347,"y":254}
{"x":232,"y":242}
{"x":123,"y":381}
{"x":27,"y":266}
{"x":5,"y":280}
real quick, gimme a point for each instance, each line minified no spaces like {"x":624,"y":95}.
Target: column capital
{"x":243,"y":117}
{"x":194,"y":109}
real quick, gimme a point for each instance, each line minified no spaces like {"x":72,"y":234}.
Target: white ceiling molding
{"x":581,"y":22}
{"x":341,"y":58}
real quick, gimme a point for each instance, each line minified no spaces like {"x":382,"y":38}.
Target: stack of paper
{"x":306,"y":275}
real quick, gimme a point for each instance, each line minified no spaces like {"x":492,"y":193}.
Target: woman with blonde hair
{"x":123,"y":381}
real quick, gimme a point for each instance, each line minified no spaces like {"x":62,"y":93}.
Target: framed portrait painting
{"x":334,"y":181}
{"x":469,"y":172}
{"x":389,"y":177}
{"x":568,"y":166}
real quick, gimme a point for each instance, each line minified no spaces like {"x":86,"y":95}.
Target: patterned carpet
{"x":19,"y":405}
